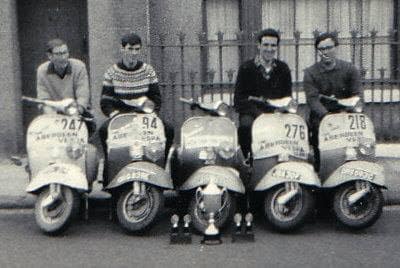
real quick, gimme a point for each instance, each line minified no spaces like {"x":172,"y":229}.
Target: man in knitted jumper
{"x":128,"y":79}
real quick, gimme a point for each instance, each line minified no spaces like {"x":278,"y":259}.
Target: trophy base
{"x":212,"y":239}
{"x":242,"y":237}
{"x":179,"y":237}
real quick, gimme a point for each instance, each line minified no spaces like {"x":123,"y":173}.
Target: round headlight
{"x":226,"y":150}
{"x":351,"y":153}
{"x":72,"y":110}
{"x":207,"y":154}
{"x":366,"y":148}
{"x":223,"y":109}
{"x":154,"y":151}
{"x":136,"y":150}
{"x":74,"y":151}
{"x":148,"y":106}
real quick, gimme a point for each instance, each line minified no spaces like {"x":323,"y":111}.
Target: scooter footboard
{"x":222,"y":176}
{"x":60,"y":173}
{"x":144,"y":172}
{"x":356,"y":170}
{"x":301,"y":172}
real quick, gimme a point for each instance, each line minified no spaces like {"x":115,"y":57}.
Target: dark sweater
{"x":252,"y":80}
{"x":342,"y":81}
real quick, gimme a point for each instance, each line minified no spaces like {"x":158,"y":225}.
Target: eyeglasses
{"x":60,"y":53}
{"x":325,"y":48}
{"x":269,"y":45}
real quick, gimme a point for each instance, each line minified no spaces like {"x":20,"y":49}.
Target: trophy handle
{"x":198,"y":195}
{"x":224,"y":198}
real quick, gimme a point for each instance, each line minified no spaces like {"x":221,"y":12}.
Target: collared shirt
{"x":342,"y":81}
{"x":52,"y":70}
{"x":253,"y":80}
{"x":74,"y":84}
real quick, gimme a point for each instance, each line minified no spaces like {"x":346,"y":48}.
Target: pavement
{"x":14,"y":179}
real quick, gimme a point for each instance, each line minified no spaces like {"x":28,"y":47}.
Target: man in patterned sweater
{"x":128,"y":79}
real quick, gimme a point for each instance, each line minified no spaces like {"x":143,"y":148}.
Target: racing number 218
{"x":357,"y":121}
{"x":293,"y":130}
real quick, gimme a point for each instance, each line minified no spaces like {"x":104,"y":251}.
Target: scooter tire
{"x":131,"y":225}
{"x":375,"y":209}
{"x":58,"y":224}
{"x":295,"y":222}
{"x":200,"y":223}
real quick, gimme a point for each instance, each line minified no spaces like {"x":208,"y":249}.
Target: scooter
{"x":61,"y":163}
{"x":136,"y":158}
{"x":348,"y":169}
{"x":208,"y":161}
{"x":281,"y":169}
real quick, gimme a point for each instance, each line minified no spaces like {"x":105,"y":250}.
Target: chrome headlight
{"x":136,"y":150}
{"x":351,"y":153}
{"x":148,"y":106}
{"x":226,"y":150}
{"x":366,"y":147}
{"x":75,"y":151}
{"x":223,"y":109}
{"x":154,"y":151}
{"x":208,"y":155}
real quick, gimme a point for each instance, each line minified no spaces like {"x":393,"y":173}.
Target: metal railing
{"x":183,"y":67}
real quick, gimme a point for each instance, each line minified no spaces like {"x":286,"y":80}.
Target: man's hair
{"x":54,"y":43}
{"x":326,"y":35}
{"x":131,"y":38}
{"x":268,"y":32}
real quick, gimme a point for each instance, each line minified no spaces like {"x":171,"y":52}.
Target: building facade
{"x":196,"y":47}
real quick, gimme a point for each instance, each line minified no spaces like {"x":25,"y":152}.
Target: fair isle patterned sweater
{"x":122,"y":83}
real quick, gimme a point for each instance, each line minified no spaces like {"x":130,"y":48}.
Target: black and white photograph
{"x":199,"y":133}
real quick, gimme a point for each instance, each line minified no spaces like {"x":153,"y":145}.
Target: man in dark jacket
{"x":264,"y":76}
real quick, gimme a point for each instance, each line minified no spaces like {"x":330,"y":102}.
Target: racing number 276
{"x":294,"y":130}
{"x":357,"y":121}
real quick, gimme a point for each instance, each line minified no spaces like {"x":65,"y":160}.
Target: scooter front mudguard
{"x":144,"y":172}
{"x":60,"y":173}
{"x":301,"y":172}
{"x":356,"y":170}
{"x":222,"y":176}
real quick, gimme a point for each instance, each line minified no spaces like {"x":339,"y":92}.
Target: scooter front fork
{"x":139,"y":188}
{"x":291,"y":190}
{"x":54,"y":195}
{"x":362,"y":188}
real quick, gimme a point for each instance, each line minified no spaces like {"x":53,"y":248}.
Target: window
{"x":344,"y":16}
{"x":223,"y":16}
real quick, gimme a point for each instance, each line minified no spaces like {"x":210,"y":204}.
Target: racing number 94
{"x":149,"y":122}
{"x":357,"y":121}
{"x":294,"y":130}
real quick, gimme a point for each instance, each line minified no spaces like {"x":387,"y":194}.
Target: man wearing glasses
{"x":331,"y":77}
{"x":62,"y":79}
{"x":263,"y":76}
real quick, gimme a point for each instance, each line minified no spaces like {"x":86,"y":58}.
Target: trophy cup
{"x":211,"y":203}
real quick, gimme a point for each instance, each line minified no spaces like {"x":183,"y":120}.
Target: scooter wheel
{"x":291,"y":216}
{"x":137,"y":215}
{"x":56,"y":218}
{"x":363,"y":213}
{"x":200,"y":220}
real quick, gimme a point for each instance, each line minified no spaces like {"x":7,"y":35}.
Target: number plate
{"x":357,"y":174}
